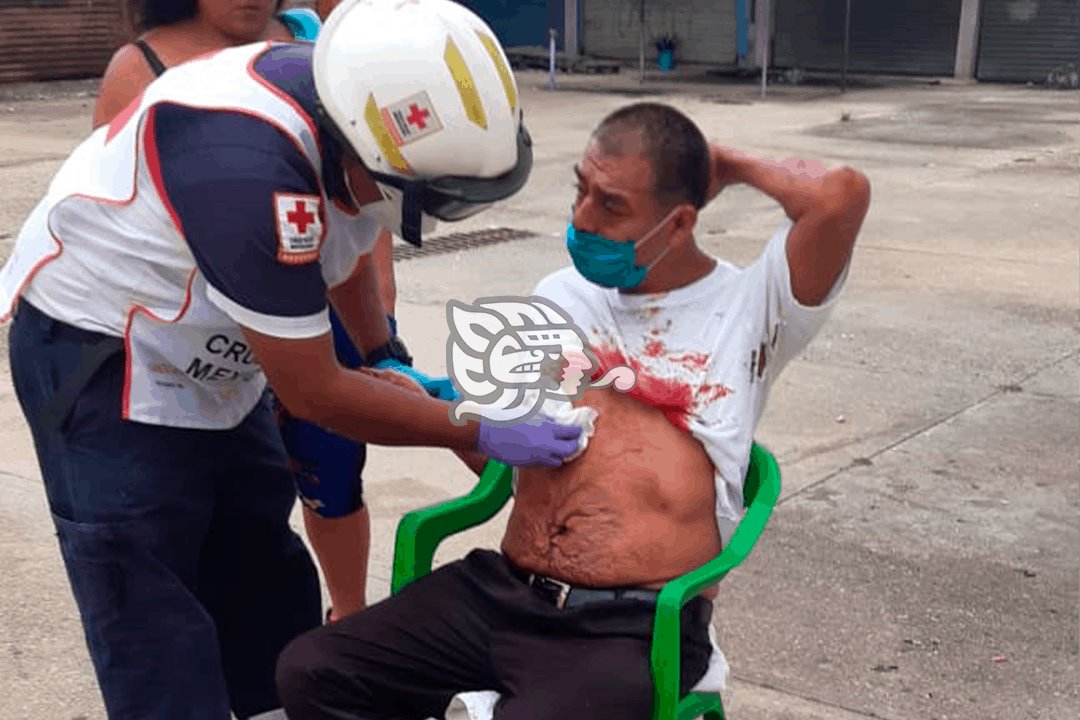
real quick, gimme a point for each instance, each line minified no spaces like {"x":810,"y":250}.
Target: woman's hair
{"x":149,"y":14}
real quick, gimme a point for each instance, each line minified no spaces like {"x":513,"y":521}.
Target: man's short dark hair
{"x":674,"y":145}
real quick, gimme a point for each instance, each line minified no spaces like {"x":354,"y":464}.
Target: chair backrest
{"x":421,"y":531}
{"x":763,"y":469}
{"x":761,"y":489}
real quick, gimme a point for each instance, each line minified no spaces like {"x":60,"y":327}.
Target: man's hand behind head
{"x":725,"y":168}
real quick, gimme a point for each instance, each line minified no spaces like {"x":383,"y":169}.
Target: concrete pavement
{"x":923,"y":561}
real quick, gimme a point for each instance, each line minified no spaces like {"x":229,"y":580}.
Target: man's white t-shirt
{"x":706,"y":354}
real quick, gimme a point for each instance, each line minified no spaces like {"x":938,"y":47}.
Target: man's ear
{"x":683,"y":222}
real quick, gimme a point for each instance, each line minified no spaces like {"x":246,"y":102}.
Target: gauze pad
{"x":583,"y":417}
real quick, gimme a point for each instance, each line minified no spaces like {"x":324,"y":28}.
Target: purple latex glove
{"x":528,"y":444}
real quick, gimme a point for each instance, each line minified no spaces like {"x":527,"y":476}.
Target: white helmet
{"x":424,"y":94}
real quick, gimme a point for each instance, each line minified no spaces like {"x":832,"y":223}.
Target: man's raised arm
{"x":826,"y":206}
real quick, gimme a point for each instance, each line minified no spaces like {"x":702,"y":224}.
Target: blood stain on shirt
{"x":708,"y":393}
{"x":649,"y":312}
{"x":692,"y":361}
{"x":654,"y":349}
{"x":676,"y":399}
{"x":673,"y":398}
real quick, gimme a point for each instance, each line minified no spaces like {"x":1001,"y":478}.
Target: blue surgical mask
{"x":610,"y":263}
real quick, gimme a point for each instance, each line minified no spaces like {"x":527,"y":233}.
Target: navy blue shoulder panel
{"x":223,"y":175}
{"x":288,"y":67}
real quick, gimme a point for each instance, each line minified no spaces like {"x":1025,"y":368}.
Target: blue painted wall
{"x":521,"y":22}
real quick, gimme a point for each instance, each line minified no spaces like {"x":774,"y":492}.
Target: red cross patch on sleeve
{"x":299,"y":228}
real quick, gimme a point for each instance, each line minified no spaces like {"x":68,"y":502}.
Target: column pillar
{"x":967,"y":42}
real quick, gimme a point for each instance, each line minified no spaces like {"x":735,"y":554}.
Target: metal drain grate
{"x":456,"y":242}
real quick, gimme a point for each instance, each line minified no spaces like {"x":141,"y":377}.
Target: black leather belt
{"x":564,"y":595}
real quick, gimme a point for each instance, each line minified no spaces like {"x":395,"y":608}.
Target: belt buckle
{"x":546,"y":583}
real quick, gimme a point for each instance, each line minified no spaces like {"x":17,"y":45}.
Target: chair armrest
{"x":763,"y":481}
{"x":421,"y":531}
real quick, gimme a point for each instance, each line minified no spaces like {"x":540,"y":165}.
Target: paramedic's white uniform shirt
{"x":210,"y":204}
{"x":697,"y":350}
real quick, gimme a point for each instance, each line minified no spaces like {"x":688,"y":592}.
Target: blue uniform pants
{"x":187,"y":576}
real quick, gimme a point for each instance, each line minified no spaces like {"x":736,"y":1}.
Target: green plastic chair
{"x":420,"y":532}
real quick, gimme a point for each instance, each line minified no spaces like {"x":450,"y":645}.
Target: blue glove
{"x":440,"y":388}
{"x":528,"y":444}
{"x":446,"y":389}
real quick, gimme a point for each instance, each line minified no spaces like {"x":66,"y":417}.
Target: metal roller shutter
{"x":913,"y":37}
{"x":705,"y":29}
{"x":58,"y":39}
{"x":1023,"y":40}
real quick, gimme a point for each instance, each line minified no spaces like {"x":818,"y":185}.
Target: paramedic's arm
{"x":826,"y":207}
{"x":383,"y":257}
{"x":473,"y":460}
{"x":358,"y":302}
{"x":309,"y":381}
{"x":236,"y":202}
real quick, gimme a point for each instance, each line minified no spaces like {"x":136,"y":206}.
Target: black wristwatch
{"x":392,"y":348}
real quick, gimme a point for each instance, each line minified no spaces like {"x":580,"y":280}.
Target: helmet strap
{"x":412,"y":208}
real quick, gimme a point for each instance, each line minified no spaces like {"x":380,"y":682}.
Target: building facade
{"x":705,"y":31}
{"x":1023,"y":40}
{"x":992,"y":40}
{"x":58,"y":39}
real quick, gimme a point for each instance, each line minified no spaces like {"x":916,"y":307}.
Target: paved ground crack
{"x":859,"y":462}
{"x":957,"y":256}
{"x":5,"y":473}
{"x":852,"y":712}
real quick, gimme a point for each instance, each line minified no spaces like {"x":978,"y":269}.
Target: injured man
{"x":558,"y":625}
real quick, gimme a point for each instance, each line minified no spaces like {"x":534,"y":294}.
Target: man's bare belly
{"x":636,"y":509}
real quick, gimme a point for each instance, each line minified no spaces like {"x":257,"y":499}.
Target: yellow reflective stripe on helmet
{"x":500,"y":66}
{"x":386,"y":143}
{"x":466,"y":85}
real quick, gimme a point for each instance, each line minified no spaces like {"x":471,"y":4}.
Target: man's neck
{"x":678,"y":270}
